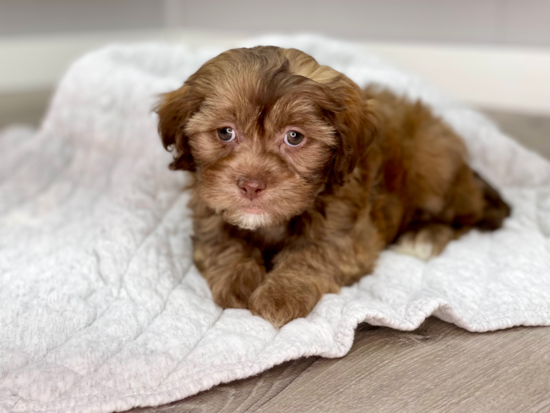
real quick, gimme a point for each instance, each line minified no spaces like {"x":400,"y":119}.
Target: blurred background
{"x":492,"y":54}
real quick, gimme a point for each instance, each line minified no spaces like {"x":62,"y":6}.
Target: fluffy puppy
{"x":302,"y":178}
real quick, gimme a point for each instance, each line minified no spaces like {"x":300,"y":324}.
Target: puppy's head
{"x":265,"y":130}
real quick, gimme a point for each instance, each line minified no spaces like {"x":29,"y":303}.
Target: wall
{"x":503,"y":22}
{"x":491,"y":53}
{"x":30,"y":17}
{"x":495,"y":22}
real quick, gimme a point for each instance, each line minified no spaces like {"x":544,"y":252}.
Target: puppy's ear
{"x":174,"y":110}
{"x":346,"y":109}
{"x":355,"y":123}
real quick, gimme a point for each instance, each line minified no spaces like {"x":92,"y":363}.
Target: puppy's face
{"x":265,"y":130}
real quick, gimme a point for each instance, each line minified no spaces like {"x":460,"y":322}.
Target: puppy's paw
{"x":279,"y":303}
{"x":426,"y":243}
{"x":234,"y":288}
{"x":410,"y":244}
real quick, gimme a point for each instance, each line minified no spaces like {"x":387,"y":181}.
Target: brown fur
{"x":372,"y":167}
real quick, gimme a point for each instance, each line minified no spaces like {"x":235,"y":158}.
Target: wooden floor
{"x":437,"y":368}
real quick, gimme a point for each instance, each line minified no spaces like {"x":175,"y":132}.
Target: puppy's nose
{"x":251,"y":188}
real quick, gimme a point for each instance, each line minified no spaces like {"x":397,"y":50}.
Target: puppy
{"x":302,"y":178}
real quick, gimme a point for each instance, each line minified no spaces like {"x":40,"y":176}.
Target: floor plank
{"x":25,"y":108}
{"x":436,"y":368}
{"x":532,"y":131}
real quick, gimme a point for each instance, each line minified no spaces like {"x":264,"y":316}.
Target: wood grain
{"x":436,"y":368}
{"x":532,"y":131}
{"x":26,"y":108}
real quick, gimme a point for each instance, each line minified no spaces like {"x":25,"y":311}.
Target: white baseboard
{"x":493,"y":77}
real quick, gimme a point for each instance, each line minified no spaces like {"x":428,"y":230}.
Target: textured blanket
{"x":101,"y":308}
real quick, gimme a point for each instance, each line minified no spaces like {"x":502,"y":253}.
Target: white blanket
{"x":101,"y":308}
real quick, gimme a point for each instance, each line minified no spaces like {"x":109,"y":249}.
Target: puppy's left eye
{"x":293,"y":138}
{"x":226,"y":134}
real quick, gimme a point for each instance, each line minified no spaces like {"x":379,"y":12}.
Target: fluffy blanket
{"x":101,"y":308}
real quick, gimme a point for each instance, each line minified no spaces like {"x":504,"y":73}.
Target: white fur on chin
{"x":253,"y":221}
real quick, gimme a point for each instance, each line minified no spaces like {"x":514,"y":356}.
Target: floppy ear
{"x":355,"y":123}
{"x":174,"y":110}
{"x":346,"y":109}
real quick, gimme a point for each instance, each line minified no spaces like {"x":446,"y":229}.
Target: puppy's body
{"x":279,"y":225}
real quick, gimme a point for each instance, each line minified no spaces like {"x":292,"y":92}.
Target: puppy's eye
{"x":293,"y":138}
{"x":226,"y":134}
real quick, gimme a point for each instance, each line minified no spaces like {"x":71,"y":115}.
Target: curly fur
{"x":373,"y":167}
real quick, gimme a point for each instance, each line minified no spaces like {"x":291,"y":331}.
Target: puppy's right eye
{"x":226,"y":134}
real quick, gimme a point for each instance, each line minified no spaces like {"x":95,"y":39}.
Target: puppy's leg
{"x":495,"y":210}
{"x":470,"y":203}
{"x":231,"y":269}
{"x":302,"y":273}
{"x":293,"y":287}
{"x":426,"y":241}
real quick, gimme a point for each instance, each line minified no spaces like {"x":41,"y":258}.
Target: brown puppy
{"x":301,"y":178}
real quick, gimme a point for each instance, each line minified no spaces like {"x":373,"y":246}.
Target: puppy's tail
{"x":495,"y":210}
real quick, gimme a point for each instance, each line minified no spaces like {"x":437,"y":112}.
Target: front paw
{"x":279,"y":300}
{"x":233,"y":286}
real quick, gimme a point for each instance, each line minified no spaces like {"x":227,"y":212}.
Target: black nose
{"x":251,"y":188}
